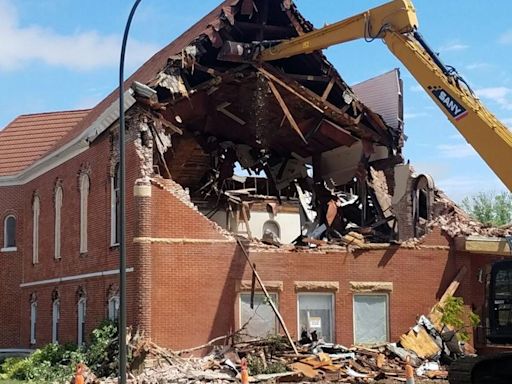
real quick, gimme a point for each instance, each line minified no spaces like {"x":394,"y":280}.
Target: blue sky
{"x":62,"y":54}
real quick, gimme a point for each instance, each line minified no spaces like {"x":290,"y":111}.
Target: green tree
{"x":490,"y":207}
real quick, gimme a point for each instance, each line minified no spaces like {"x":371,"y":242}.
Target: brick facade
{"x":186,"y":269}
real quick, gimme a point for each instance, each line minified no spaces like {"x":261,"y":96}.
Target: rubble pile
{"x":456,"y":222}
{"x":272,"y":359}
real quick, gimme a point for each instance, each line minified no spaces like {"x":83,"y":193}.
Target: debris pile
{"x":456,"y":222}
{"x":272,"y":359}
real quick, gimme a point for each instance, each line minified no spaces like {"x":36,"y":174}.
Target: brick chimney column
{"x":143,"y":262}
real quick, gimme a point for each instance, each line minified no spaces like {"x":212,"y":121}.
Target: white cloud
{"x":456,"y":151}
{"x":87,"y":50}
{"x":500,"y":95}
{"x":458,"y":187}
{"x":506,"y":38}
{"x":478,"y":65}
{"x":414,"y":115}
{"x":453,"y":46}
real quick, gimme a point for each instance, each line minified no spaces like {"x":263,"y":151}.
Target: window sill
{"x":114,"y":246}
{"x":9,"y":249}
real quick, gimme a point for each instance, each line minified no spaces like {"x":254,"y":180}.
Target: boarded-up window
{"x":316,"y":314}
{"x":370,"y":319}
{"x":261,"y":320}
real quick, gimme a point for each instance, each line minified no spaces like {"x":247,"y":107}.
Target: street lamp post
{"x":122,"y":203}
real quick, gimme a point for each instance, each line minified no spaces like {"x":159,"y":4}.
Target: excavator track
{"x":492,"y":369}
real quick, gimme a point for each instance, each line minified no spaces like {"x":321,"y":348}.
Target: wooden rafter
{"x":286,"y":110}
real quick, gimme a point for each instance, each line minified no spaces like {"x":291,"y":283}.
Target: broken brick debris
{"x":271,"y":360}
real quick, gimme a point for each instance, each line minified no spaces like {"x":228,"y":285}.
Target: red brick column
{"x":143,"y":261}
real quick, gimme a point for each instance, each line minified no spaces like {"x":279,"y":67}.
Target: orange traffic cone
{"x":409,"y":374}
{"x":79,"y":375}
{"x":244,"y":376}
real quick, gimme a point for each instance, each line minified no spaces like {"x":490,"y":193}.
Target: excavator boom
{"x":396,"y":23}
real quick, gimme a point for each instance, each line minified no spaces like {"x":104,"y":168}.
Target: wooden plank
{"x":286,"y":111}
{"x":419,"y":342}
{"x":320,"y":79}
{"x":270,"y":301}
{"x":435,"y":313}
{"x":328,"y":89}
{"x":305,"y":369}
{"x":270,"y":76}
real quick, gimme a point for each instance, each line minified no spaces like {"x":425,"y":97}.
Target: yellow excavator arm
{"x":396,"y":23}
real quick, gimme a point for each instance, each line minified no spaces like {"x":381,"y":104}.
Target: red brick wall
{"x":183,"y":289}
{"x":194,"y":290}
{"x":10,"y":270}
{"x":17,"y":267}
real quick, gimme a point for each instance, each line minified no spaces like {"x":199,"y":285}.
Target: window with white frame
{"x":113,"y":308}
{"x":36,"y":208}
{"x":371,"y":320}
{"x":57,"y":227}
{"x":9,"y":233}
{"x":33,"y":321}
{"x":316,"y":315}
{"x":114,"y":207}
{"x":259,"y":321}
{"x":82,"y":303}
{"x":84,"y":202}
{"x":55,"y":320}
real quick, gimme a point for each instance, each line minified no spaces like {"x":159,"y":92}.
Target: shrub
{"x":56,"y":363}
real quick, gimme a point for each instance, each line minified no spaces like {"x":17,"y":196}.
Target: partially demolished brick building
{"x":349,"y":241}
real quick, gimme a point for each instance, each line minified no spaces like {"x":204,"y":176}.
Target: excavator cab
{"x":500,"y":303}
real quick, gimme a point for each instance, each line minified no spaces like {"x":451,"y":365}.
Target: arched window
{"x":55,"y":320}
{"x":36,"y":207}
{"x":114,"y":207}
{"x":9,"y":233}
{"x":273,"y":227}
{"x":81,"y":310}
{"x":84,"y":202}
{"x":57,"y":229}
{"x":113,"y":308}
{"x":422,"y":197}
{"x":33,"y":318}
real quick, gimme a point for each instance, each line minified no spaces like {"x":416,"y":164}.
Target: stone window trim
{"x":371,"y":286}
{"x":36,"y":212}
{"x":85,"y":184}
{"x":317,"y":286}
{"x":271,"y":286}
{"x":58,"y":201}
{"x":9,"y":245}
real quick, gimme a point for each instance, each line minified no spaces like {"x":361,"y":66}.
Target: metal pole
{"x":122,"y":210}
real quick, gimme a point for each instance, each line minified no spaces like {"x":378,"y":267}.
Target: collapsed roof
{"x":294,"y":120}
